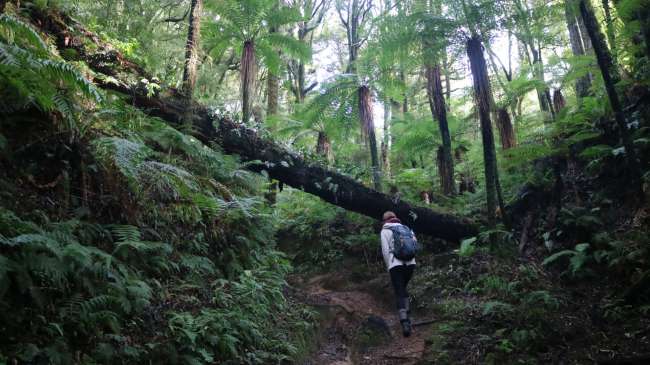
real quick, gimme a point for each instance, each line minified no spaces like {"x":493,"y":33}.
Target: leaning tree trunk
{"x":506,"y":132}
{"x":482,"y":97}
{"x":191,"y":57}
{"x":368,"y":131}
{"x":260,"y":153}
{"x":583,"y":83}
{"x":248,"y":73}
{"x":439,"y":112}
{"x":610,"y":78}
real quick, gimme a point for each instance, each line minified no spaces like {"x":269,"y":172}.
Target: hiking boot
{"x":405,"y":322}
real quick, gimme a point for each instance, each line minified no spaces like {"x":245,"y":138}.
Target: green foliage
{"x":579,"y":257}
{"x":250,"y":312}
{"x":467,"y":247}
{"x":61,"y":290}
{"x":317,"y":235}
{"x":31,"y":76}
{"x":252,"y":21}
{"x":172,"y":259}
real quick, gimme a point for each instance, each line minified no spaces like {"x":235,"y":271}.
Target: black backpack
{"x":405,"y":246}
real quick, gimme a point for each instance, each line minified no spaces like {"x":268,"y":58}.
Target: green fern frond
{"x":126,"y":233}
{"x":15,"y":31}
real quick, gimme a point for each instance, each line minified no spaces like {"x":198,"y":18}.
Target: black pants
{"x":400,"y":276}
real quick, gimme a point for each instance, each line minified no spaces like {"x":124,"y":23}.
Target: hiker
{"x":398,"y":246}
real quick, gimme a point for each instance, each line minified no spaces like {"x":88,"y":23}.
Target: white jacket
{"x":387,"y":247}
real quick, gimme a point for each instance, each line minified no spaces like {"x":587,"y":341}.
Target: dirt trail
{"x":359,"y":323}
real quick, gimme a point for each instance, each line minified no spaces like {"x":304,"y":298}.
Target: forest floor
{"x":358,"y":322}
{"x":479,"y":310}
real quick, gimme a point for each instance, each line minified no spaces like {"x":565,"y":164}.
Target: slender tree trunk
{"x":248,"y":73}
{"x":570,"y":10}
{"x":586,"y":40}
{"x":558,"y":100}
{"x":610,"y":78}
{"x":482,"y":96}
{"x":191,"y":58}
{"x":447,"y":71}
{"x":611,"y":35}
{"x":386,"y":141}
{"x":405,"y":103}
{"x":506,"y":132}
{"x":368,"y":128}
{"x":272,"y":94}
{"x":538,"y":70}
{"x":439,"y":113}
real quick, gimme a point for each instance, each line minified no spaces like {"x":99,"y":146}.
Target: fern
{"x":15,"y":31}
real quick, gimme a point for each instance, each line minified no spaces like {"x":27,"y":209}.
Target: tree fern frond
{"x":289,"y":45}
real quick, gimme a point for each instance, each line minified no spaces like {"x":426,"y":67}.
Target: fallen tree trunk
{"x":116,"y":73}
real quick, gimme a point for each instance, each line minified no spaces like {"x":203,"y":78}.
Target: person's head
{"x":388,"y":215}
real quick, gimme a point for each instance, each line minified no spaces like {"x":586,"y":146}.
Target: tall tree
{"x":439,"y":112}
{"x":611,"y":78}
{"x":247,"y":26}
{"x":368,"y":128}
{"x":583,"y":83}
{"x":191,"y":58}
{"x":482,"y":98}
{"x":353,"y":15}
{"x":313,"y":13}
{"x":272,"y":80}
{"x":533,"y":50}
{"x":433,"y":45}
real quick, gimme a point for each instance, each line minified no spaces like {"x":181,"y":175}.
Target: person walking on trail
{"x":398,"y":246}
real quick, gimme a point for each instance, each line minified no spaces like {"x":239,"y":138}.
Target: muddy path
{"x":359,"y":323}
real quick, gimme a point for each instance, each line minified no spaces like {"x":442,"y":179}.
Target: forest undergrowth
{"x":123,"y":240}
